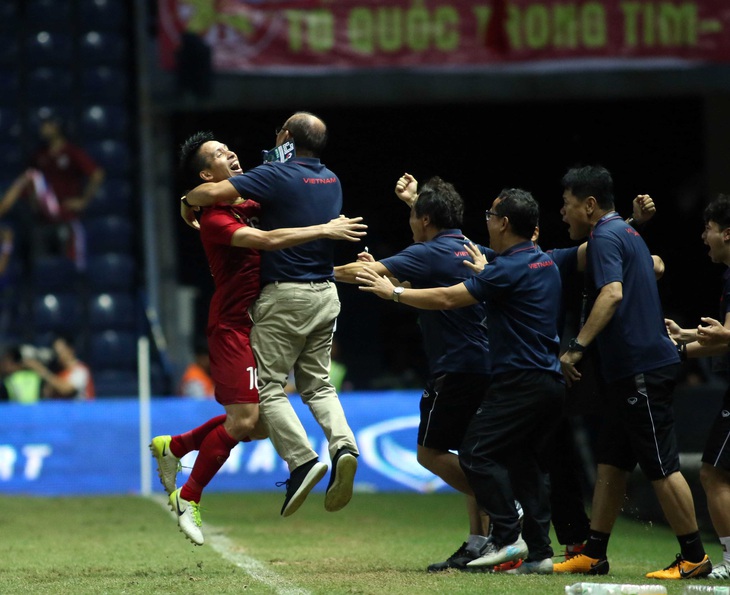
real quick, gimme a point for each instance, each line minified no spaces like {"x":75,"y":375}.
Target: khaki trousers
{"x":293,"y":327}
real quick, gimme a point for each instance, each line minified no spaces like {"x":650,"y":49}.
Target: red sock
{"x":212,"y":454}
{"x":189,"y":441}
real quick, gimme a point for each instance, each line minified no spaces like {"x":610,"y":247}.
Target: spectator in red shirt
{"x":65,"y":179}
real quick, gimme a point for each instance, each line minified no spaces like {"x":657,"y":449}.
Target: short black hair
{"x":14,"y":354}
{"x":66,"y":338}
{"x":590,"y":180}
{"x":522,"y":210}
{"x":192,"y":162}
{"x":718,"y":211}
{"x":309,"y":133}
{"x":441,"y":202}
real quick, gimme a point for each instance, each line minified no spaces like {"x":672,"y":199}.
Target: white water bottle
{"x":614,"y":589}
{"x":712,"y":589}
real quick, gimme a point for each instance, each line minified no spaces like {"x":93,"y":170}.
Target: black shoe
{"x":459,"y":559}
{"x":300,"y":483}
{"x":342,"y":477}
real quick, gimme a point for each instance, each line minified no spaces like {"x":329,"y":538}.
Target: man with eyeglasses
{"x":295,"y":314}
{"x":504,"y":448}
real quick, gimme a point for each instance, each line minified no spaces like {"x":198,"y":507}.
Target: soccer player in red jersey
{"x":232,"y":244}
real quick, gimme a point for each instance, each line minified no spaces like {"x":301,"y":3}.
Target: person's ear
{"x":591,"y":204}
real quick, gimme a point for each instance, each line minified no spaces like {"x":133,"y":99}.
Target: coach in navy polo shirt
{"x":639,"y":364}
{"x":294,"y":317}
{"x":503,"y":453}
{"x":455,"y":341}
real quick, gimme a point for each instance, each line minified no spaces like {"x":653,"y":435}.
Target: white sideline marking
{"x":229,"y":551}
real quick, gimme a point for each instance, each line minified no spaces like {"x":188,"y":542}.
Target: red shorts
{"x":232,"y":366}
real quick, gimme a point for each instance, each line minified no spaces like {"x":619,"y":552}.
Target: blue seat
{"x":113,"y":349}
{"x":104,"y":121}
{"x":104,"y":14}
{"x":9,"y":47}
{"x":115,"y":383}
{"x":52,"y":84}
{"x":9,"y":15}
{"x":111,"y":272}
{"x":104,"y":84}
{"x":112,"y":155}
{"x":54,"y":273}
{"x":109,"y":234}
{"x":59,"y":312}
{"x":44,"y":48}
{"x":114,"y":311}
{"x":9,"y":84}
{"x":12,"y":158}
{"x":9,"y":123}
{"x":40,"y":111}
{"x":115,"y":197}
{"x":48,"y":14}
{"x":103,"y":48}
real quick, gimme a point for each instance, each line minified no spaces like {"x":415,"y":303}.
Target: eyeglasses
{"x":492,"y":214}
{"x":278,"y":131}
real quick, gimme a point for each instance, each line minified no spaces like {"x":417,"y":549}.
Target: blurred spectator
{"x":6,"y":250}
{"x":196,"y":381}
{"x":15,"y":191}
{"x":6,"y":277}
{"x":72,"y":378}
{"x":19,"y":384}
{"x":64,"y":180}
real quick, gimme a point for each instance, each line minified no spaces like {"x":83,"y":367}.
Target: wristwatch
{"x":573,"y":345}
{"x":396,"y":293}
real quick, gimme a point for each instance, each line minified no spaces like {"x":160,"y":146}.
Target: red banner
{"x":293,"y":35}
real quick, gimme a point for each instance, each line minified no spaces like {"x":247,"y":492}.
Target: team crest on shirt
{"x":725,"y":413}
{"x":632,"y":400}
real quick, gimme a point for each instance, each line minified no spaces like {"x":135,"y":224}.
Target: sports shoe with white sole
{"x":188,"y":517}
{"x":300,"y":483}
{"x":168,"y":465}
{"x":534,"y":567}
{"x":720,"y":572}
{"x":342,"y":478}
{"x":495,"y":554}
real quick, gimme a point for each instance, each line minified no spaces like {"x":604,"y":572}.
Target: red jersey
{"x":235,"y":271}
{"x":66,"y":172}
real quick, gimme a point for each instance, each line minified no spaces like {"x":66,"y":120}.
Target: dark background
{"x":653,"y":146}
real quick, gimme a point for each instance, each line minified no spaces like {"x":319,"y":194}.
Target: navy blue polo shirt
{"x":566,"y":259}
{"x":454,"y":340}
{"x":522,"y":291}
{"x":635,"y":340}
{"x":297,"y":193}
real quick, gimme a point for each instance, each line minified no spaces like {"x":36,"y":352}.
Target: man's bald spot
{"x":306,"y":120}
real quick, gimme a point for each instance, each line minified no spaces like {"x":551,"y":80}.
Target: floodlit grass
{"x":380,"y":543}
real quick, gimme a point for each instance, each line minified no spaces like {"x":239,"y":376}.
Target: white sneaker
{"x":495,"y":554}
{"x":188,"y":517}
{"x":535,"y":567}
{"x":168,"y":465}
{"x":721,"y":571}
